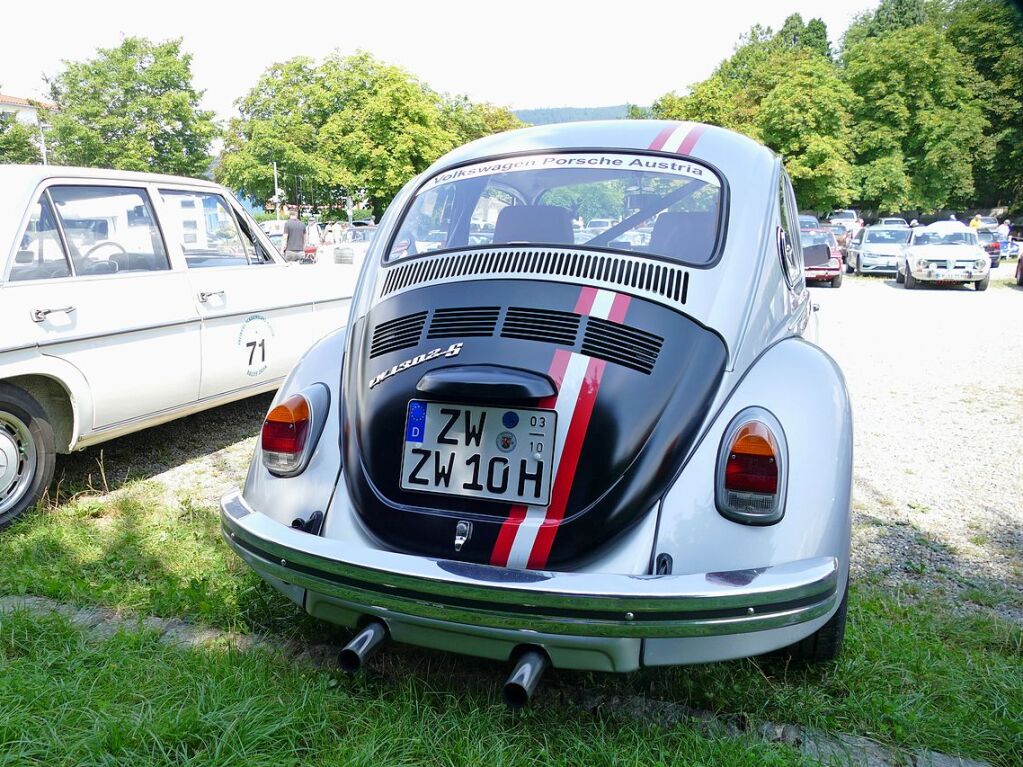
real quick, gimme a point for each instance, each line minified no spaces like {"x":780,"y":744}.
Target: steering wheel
{"x":99,"y":245}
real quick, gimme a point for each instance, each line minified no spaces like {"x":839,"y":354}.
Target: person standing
{"x":1003,"y":229}
{"x":294,"y":238}
{"x":975,"y":222}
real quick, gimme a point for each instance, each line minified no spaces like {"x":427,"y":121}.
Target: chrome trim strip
{"x":208,"y":315}
{"x":580,"y":604}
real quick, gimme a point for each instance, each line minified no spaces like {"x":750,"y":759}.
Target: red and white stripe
{"x":679,"y":138}
{"x":528,"y":533}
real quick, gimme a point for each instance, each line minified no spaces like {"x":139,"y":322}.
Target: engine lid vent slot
{"x":464,"y":322}
{"x":546,"y":325}
{"x":621,"y":344}
{"x":399,"y":333}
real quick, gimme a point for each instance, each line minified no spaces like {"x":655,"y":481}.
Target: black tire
{"x":1019,"y":271}
{"x":899,"y":277}
{"x":981,"y":285}
{"x":836,"y":282}
{"x":848,"y":267}
{"x":825,"y":643}
{"x":859,"y":264}
{"x":24,"y":432}
{"x":910,"y":281}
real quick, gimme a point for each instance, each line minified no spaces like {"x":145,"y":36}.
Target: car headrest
{"x":680,"y":233}
{"x":533,"y":223}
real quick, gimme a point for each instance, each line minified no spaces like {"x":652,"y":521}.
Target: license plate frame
{"x":490,"y":460}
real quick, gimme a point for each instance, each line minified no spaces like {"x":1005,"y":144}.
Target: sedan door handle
{"x":205,"y":295}
{"x":38,"y":315}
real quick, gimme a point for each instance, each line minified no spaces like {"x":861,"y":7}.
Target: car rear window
{"x":664,"y":206}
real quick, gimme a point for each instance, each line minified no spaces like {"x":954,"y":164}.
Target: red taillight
{"x":752,"y":465}
{"x":284,"y":434}
{"x":751,"y":472}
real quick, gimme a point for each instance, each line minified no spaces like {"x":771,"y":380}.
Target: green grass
{"x":914,"y":674}
{"x":130,"y":700}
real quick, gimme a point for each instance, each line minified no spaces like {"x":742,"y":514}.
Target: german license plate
{"x":498,"y":453}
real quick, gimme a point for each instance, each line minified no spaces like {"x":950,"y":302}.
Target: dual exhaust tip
{"x":530,"y":664}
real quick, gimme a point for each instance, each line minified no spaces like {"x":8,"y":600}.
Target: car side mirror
{"x":24,"y":257}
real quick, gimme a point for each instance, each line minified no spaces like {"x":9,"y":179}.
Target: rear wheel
{"x":836,"y":282}
{"x":26,"y":452}
{"x":981,"y":285}
{"x":826,"y":642}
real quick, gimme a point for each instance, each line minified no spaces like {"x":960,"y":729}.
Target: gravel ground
{"x":936,"y":377}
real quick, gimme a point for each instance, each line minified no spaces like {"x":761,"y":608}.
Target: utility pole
{"x":277,"y":194}
{"x":42,"y":139}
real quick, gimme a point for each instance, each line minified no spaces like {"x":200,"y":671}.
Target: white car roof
{"x":945,"y":226}
{"x":19,"y":182}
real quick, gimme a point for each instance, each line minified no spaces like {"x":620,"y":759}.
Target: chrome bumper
{"x":577,"y":604}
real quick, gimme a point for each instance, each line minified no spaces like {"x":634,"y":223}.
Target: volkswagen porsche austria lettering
{"x":617,"y":468}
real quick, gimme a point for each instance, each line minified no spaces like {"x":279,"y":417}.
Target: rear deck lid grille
{"x":399,"y":333}
{"x":621,"y":344}
{"x":541,"y":325}
{"x":462,"y":322}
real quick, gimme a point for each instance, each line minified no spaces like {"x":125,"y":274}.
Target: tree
{"x":470,"y":121}
{"x":17,"y":141}
{"x":132,"y":107}
{"x":815,"y":37}
{"x":279,"y":121}
{"x":989,"y":32}
{"x":805,"y":118}
{"x":349,"y":126}
{"x":779,"y":90}
{"x":919,"y":125}
{"x":891,"y":16}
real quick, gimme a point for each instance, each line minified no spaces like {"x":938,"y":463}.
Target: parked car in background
{"x":893,"y":221}
{"x":595,"y":455}
{"x":806,"y":221}
{"x":130,"y":299}
{"x":841,"y":235}
{"x":988,"y":239}
{"x":876,"y":249}
{"x":846,"y":217}
{"x":988,"y":223}
{"x":821,"y":256}
{"x":946,"y":252}
{"x":599,"y":225}
{"x":352,"y":246}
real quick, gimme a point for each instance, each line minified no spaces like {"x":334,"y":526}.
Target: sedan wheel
{"x":910,"y":279}
{"x":26,"y":453}
{"x":899,"y":277}
{"x":859,"y":265}
{"x":1019,"y":271}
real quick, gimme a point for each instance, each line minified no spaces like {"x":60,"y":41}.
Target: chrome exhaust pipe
{"x":355,"y":653}
{"x":524,"y":678}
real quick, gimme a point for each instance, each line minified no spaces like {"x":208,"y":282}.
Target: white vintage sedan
{"x":944,"y":253}
{"x":129,"y":299}
{"x":588,"y":451}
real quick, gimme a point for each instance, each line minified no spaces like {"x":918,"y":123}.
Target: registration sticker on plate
{"x":500,"y":453}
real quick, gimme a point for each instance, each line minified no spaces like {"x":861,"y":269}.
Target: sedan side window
{"x":40,"y":254}
{"x":204,"y":227}
{"x":109,"y":229}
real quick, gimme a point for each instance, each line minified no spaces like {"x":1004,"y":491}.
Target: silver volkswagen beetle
{"x":591,"y":451}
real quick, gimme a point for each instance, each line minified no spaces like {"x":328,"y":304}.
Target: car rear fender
{"x":803,"y":388}
{"x":286,"y":499}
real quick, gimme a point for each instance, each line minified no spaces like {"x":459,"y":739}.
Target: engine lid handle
{"x":491,"y":382}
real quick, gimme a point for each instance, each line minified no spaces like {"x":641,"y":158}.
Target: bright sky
{"x":522,"y":54}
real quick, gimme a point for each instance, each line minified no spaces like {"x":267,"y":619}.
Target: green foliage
{"x":470,"y":121}
{"x":805,"y":118}
{"x":919,"y":124}
{"x":132,"y":107}
{"x":990,"y":34}
{"x":348,"y":126}
{"x":17,"y":141}
{"x":779,"y":90}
